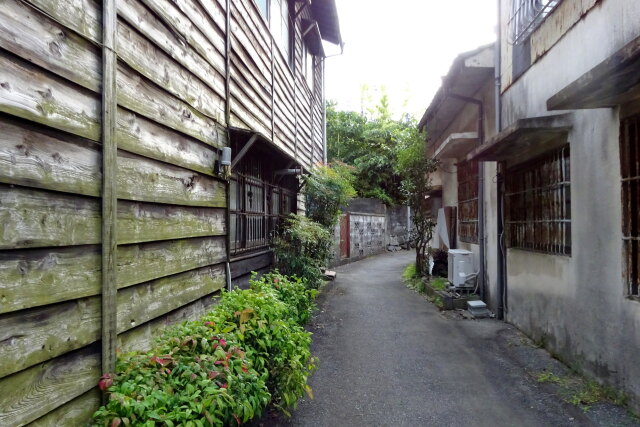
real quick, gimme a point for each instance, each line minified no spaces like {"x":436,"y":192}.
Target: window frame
{"x":538,"y":204}
{"x":630,"y":202}
{"x":253,"y":228}
{"x":468,"y":179}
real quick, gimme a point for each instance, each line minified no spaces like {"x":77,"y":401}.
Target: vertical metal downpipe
{"x":502,"y":279}
{"x":227,"y":113}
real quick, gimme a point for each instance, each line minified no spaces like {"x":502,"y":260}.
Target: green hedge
{"x":223,"y":369}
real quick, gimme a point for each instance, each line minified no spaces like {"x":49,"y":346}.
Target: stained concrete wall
{"x":466,"y":121}
{"x":576,"y":305}
{"x":371,"y":227}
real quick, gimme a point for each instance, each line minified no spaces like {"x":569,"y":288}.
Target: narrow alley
{"x":389,"y":357}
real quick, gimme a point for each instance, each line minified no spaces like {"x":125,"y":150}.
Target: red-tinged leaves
{"x":244,"y":369}
{"x":116,"y":422}
{"x":222,"y":342}
{"x":213,"y":374}
{"x":210,"y":324}
{"x":224,"y":385}
{"x":237,"y":418}
{"x":105,"y":382}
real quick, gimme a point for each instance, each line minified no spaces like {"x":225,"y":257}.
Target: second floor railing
{"x":527,"y":15}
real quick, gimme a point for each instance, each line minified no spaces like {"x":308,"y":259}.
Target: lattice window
{"x":527,"y":15}
{"x":468,"y":202}
{"x":256,"y":207}
{"x":630,"y":168}
{"x":538,"y":204}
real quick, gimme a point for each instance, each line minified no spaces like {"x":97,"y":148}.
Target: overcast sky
{"x":405,"y":46}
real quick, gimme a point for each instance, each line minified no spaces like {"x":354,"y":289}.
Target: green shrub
{"x":327,"y":190}
{"x":223,"y":369}
{"x":302,"y":249}
{"x":291,"y":290}
{"x":196,"y":378}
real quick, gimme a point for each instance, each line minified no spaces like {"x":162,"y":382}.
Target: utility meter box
{"x":460,"y":267}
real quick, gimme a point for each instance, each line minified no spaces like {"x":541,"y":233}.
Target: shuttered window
{"x":468,"y":202}
{"x":538,"y":204}
{"x":257,"y":206}
{"x":630,"y":168}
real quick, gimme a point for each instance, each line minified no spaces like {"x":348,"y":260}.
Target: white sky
{"x":405,"y":46}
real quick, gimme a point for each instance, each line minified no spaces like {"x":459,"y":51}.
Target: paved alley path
{"x":388,"y":357}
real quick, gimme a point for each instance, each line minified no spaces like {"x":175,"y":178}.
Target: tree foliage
{"x":370,"y":142}
{"x":389,"y":161}
{"x":327,"y":190}
{"x":415,"y":168}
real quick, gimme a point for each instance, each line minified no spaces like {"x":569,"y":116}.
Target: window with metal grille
{"x":538,"y":204}
{"x":630,"y":168}
{"x":257,"y":206}
{"x":527,"y":15}
{"x":468,"y":202}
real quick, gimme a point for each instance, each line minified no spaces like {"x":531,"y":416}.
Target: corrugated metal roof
{"x":326,"y":13}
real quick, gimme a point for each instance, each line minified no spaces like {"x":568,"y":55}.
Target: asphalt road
{"x":389,"y":358}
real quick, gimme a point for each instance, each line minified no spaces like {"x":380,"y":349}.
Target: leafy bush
{"x":291,"y":290}
{"x":223,"y":369}
{"x":302,"y":249}
{"x":327,"y":190}
{"x":196,"y":377}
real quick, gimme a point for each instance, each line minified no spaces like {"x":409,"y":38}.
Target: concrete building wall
{"x":446,"y":176}
{"x":576,"y":304}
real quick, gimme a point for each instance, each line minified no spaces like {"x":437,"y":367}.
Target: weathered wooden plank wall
{"x":170,"y":213}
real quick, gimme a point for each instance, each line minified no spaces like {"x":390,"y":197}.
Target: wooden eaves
{"x":526,"y":138}
{"x":613,"y":82}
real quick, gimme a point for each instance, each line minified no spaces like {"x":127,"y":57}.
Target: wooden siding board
{"x":144,"y":21}
{"x":174,"y":18}
{"x":33,"y":94}
{"x":37,"y":158}
{"x":31,"y":35}
{"x":28,"y":337}
{"x":35,"y":277}
{"x":34,"y":218}
{"x":73,"y":413}
{"x":42,"y":388}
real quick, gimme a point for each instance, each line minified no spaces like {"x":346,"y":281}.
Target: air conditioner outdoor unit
{"x":460,"y":267}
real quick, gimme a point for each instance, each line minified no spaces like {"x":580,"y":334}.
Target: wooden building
{"x":115,"y":217}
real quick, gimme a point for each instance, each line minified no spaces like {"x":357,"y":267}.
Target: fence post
{"x":109,"y":195}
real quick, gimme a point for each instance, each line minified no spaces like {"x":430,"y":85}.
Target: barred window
{"x":538,"y":204}
{"x":527,"y":15}
{"x":468,"y":201}
{"x":630,"y":168}
{"x":257,"y":206}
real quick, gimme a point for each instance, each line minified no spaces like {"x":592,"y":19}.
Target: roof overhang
{"x":469,"y":72}
{"x":613,"y":82}
{"x":251,"y":140}
{"x":326,"y":13}
{"x":312,"y":37}
{"x":525,"y":139}
{"x":456,"y":145}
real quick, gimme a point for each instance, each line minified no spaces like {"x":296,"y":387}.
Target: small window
{"x":263,"y":6}
{"x":527,"y":15}
{"x":308,"y":66}
{"x":630,"y":168}
{"x":468,"y":202}
{"x":282,"y":28}
{"x":538,"y":204}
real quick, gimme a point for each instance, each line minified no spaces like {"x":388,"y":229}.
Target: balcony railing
{"x":527,"y":15}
